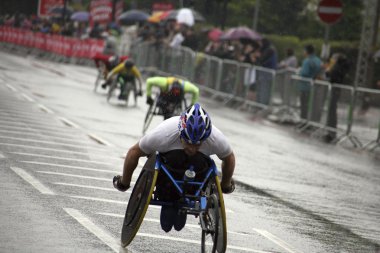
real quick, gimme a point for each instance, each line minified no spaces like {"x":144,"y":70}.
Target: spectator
{"x":290,"y":61}
{"x":268,"y":60}
{"x":311,"y":68}
{"x":191,"y":40}
{"x":96,"y":31}
{"x":178,"y":37}
{"x":336,"y":73}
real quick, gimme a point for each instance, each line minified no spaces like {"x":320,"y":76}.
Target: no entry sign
{"x":330,"y":11}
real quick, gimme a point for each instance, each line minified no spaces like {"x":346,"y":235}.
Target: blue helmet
{"x":194,"y":124}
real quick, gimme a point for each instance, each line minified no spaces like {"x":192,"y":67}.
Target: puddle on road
{"x":336,"y":237}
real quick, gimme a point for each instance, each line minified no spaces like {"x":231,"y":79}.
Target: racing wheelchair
{"x":130,"y":86}
{"x":162,"y":106}
{"x":199,"y":194}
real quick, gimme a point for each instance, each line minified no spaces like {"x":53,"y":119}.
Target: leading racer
{"x":180,"y":140}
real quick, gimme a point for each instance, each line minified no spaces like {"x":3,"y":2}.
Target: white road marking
{"x":33,"y":125}
{"x":49,"y":142}
{"x":2,"y":156}
{"x":72,"y":167}
{"x":86,"y":186}
{"x":68,"y":122}
{"x":100,"y":140}
{"x":60,"y":158}
{"x":107,"y":200}
{"x":177,"y":239}
{"x":105,"y":237}
{"x":145,"y":219}
{"x":277,"y":240}
{"x":45,"y":109}
{"x":30,"y":117}
{"x":28,"y":98}
{"x":11,"y":87}
{"x":41,"y":135}
{"x":59,"y":150}
{"x":158,"y":221}
{"x":73,"y":175}
{"x":31,"y":180}
{"x":32,"y":130}
{"x":101,"y":200}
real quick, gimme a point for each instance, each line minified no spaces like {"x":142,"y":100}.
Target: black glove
{"x":229,"y":189}
{"x":140,"y":93}
{"x":118,"y":184}
{"x":149,"y":100}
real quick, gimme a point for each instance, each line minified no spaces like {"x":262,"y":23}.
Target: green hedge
{"x":284,"y":42}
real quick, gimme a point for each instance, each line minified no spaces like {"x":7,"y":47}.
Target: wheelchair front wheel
{"x":214,"y":236}
{"x":139,"y":201}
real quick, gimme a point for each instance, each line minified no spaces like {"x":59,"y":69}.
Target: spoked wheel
{"x":139,"y":201}
{"x":101,"y":73}
{"x":214,"y":235}
{"x":180,"y":107}
{"x":210,"y":233}
{"x":112,"y":89}
{"x":98,"y":78}
{"x":127,"y":91}
{"x":149,"y":115}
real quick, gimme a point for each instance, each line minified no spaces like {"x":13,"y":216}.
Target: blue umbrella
{"x":81,"y":16}
{"x":58,"y":11}
{"x":133,"y":16}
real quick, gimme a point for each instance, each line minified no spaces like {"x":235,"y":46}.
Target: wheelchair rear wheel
{"x":214,"y":236}
{"x":139,"y":201}
{"x":149,"y":115}
{"x":112,"y":89}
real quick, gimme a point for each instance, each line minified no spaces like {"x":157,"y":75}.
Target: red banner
{"x":119,"y":8}
{"x":67,"y":46}
{"x":45,"y":5}
{"x":100,"y":11}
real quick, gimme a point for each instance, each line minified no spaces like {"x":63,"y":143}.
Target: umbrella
{"x":133,"y":16}
{"x":158,"y":16}
{"x":173,"y":15}
{"x":81,"y":16}
{"x":58,"y":11}
{"x":214,"y":34}
{"x":241,"y":33}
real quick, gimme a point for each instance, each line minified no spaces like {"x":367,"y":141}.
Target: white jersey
{"x":165,"y":137}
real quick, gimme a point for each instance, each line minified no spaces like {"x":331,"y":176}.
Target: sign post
{"x":329,"y":11}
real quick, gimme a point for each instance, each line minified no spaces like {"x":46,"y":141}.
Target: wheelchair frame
{"x":206,"y":203}
{"x":155,"y":109}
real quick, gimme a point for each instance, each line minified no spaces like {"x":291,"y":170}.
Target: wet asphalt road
{"x":61,"y":144}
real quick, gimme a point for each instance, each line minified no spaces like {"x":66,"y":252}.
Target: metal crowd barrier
{"x":287,"y":96}
{"x":366,"y":124}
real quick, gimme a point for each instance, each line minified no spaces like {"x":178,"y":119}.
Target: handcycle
{"x":199,"y":196}
{"x":130,"y":86}
{"x":158,"y":107}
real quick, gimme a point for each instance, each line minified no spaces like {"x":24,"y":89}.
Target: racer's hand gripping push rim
{"x":207,"y":204}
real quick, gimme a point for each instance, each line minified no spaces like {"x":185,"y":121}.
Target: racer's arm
{"x":228,"y":167}
{"x":116,"y":70}
{"x":130,"y":163}
{"x":160,"y":82}
{"x":193,"y":90}
{"x":137,"y":74}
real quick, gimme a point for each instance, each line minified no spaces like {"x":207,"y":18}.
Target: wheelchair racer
{"x":128,"y":72}
{"x":172,"y":91}
{"x":186,"y":139}
{"x":108,"y":61}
